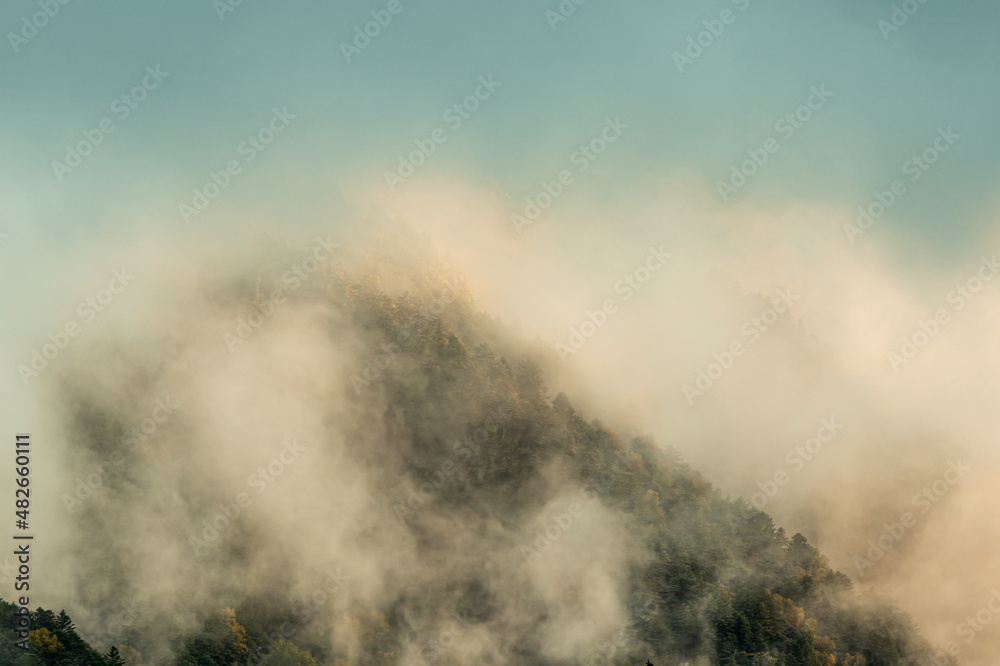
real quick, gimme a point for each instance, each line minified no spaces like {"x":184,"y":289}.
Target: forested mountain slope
{"x":533,"y":534}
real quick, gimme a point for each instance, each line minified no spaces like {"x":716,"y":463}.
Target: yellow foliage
{"x":239,"y":634}
{"x":794,"y":615}
{"x":652,"y":499}
{"x":44,"y":641}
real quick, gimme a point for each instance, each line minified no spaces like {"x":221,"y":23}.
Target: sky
{"x":676,"y":98}
{"x":891,"y":91}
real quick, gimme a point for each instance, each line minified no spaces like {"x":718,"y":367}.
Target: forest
{"x":478,"y":438}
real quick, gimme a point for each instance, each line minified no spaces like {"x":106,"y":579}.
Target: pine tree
{"x":114,"y":658}
{"x":63,"y":622}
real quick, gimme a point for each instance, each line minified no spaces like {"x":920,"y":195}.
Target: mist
{"x":273,"y":469}
{"x":859,"y":345}
{"x":764,"y":248}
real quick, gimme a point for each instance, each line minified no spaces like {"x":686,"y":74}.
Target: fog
{"x":270,"y":474}
{"x":201,"y":451}
{"x":904,"y":420}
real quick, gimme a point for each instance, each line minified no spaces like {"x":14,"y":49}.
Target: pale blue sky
{"x":607,"y":60}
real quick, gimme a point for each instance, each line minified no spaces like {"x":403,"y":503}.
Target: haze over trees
{"x":532,"y":533}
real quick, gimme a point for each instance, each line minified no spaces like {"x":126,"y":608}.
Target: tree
{"x":114,"y":658}
{"x":44,"y":642}
{"x":63,"y":623}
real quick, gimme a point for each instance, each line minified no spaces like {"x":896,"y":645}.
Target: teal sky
{"x":557,"y":87}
